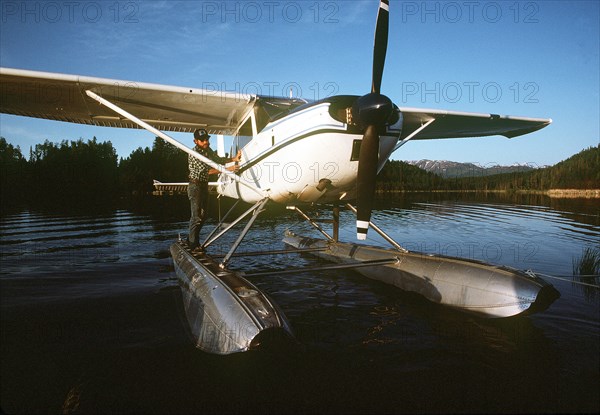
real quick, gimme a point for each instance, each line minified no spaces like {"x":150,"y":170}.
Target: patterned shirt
{"x":198,"y":169}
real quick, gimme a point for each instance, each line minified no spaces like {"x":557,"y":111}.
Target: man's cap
{"x":201,"y":134}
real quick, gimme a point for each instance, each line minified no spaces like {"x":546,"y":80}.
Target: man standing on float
{"x":198,"y":186}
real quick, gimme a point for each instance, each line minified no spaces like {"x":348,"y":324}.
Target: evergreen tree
{"x":164,"y":162}
{"x":74,"y":169}
{"x":14,"y":171}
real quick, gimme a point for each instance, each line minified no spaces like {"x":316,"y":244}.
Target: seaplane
{"x":295,"y":153}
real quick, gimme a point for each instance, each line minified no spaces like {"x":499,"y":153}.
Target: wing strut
{"x":168,"y":139}
{"x":413,"y":134}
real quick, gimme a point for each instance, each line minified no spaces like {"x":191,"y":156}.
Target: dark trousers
{"x":198,"y":195}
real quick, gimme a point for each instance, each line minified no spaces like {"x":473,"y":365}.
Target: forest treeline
{"x":581,"y":171}
{"x":85,"y":169}
{"x":93,"y":170}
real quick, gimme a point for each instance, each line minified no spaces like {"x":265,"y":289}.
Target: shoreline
{"x":552,"y":193}
{"x":574,"y":193}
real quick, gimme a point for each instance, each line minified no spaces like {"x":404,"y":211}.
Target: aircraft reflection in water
{"x":338,"y":144}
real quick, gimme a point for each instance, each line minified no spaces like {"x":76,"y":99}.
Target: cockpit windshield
{"x":271,"y":109}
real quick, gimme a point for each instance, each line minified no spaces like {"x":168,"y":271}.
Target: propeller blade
{"x":373,"y":112}
{"x":365,"y":186}
{"x":380,"y":45}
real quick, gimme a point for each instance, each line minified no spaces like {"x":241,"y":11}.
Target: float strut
{"x":336,"y":222}
{"x":256,"y":210}
{"x":381,"y":232}
{"x":209,"y":239}
{"x":312,"y":222}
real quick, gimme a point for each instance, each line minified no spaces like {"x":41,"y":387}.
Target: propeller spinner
{"x":373,"y":112}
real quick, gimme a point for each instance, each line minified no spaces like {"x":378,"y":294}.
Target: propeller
{"x":372,"y":112}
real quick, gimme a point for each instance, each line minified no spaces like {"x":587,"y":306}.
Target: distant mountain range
{"x":452,"y":169}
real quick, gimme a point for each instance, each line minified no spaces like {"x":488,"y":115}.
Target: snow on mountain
{"x":447,"y":168}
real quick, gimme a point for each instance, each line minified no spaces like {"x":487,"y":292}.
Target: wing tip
{"x":523,"y":131}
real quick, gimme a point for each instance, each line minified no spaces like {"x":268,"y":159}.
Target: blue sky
{"x":525,"y":58}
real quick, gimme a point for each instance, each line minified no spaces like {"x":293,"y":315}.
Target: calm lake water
{"x":92,"y":321}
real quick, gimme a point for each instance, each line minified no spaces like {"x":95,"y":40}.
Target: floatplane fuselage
{"x":309,"y":155}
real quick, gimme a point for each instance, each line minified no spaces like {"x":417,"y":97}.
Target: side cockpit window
{"x":243,"y":136}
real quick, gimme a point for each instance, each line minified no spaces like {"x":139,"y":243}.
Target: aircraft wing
{"x":62,"y":97}
{"x":454,"y":124}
